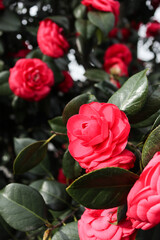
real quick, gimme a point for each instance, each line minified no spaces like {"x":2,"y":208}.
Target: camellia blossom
{"x":51,"y":40}
{"x":103,"y":5}
{"x":153,"y":29}
{"x":144,"y":197}
{"x":116,"y":60}
{"x":120,"y":51}
{"x":116,"y":66}
{"x":98,"y":225}
{"x":97,"y":135}
{"x":67,"y":83}
{"x":31,"y":79}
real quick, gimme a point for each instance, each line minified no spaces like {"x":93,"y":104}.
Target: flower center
{"x":36,"y":77}
{"x":84,"y":125}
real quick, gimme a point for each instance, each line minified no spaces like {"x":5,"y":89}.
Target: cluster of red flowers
{"x":32,"y":79}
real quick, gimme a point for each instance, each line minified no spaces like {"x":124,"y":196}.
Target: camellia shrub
{"x":80,"y":153}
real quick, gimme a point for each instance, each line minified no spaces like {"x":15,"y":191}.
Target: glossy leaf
{"x":73,"y":106}
{"x":103,"y":188}
{"x":97,"y":75}
{"x":85,"y":28}
{"x":71,"y":167}
{"x":151,"y":146}
{"x":53,"y":192}
{"x":9,"y":21}
{"x":22,"y":207}
{"x":20,"y":143}
{"x":67,"y":232}
{"x":57,"y":125}
{"x":148,"y":121}
{"x":29,"y":157}
{"x":131,"y":97}
{"x":151,"y":106}
{"x":104,"y":21}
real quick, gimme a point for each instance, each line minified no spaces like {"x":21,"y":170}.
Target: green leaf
{"x":85,"y":28}
{"x":22,"y":207}
{"x":151,"y":146}
{"x":20,"y":143}
{"x":43,"y":167}
{"x":103,"y":188}
{"x":148,"y":121}
{"x":60,"y":20}
{"x":4,"y":86}
{"x":9,"y":21}
{"x":104,"y":21}
{"x":73,"y":106}
{"x":67,"y":232}
{"x":79,"y":11}
{"x":131,"y":97}
{"x":53,"y":192}
{"x":97,"y":75}
{"x":57,"y":125}
{"x":157,"y":121}
{"x":29,"y":157}
{"x":71,"y":167}
{"x":121,"y":213}
{"x":151,"y":106}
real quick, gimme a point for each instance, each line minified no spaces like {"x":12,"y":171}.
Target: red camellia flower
{"x":50,"y":39}
{"x":120,"y":51}
{"x":67,"y":83}
{"x":153,"y":29}
{"x":116,"y":66}
{"x":98,"y":225}
{"x":31,"y":79}
{"x":144,"y":197}
{"x":103,"y":5}
{"x":1,"y":5}
{"x":98,"y":134}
